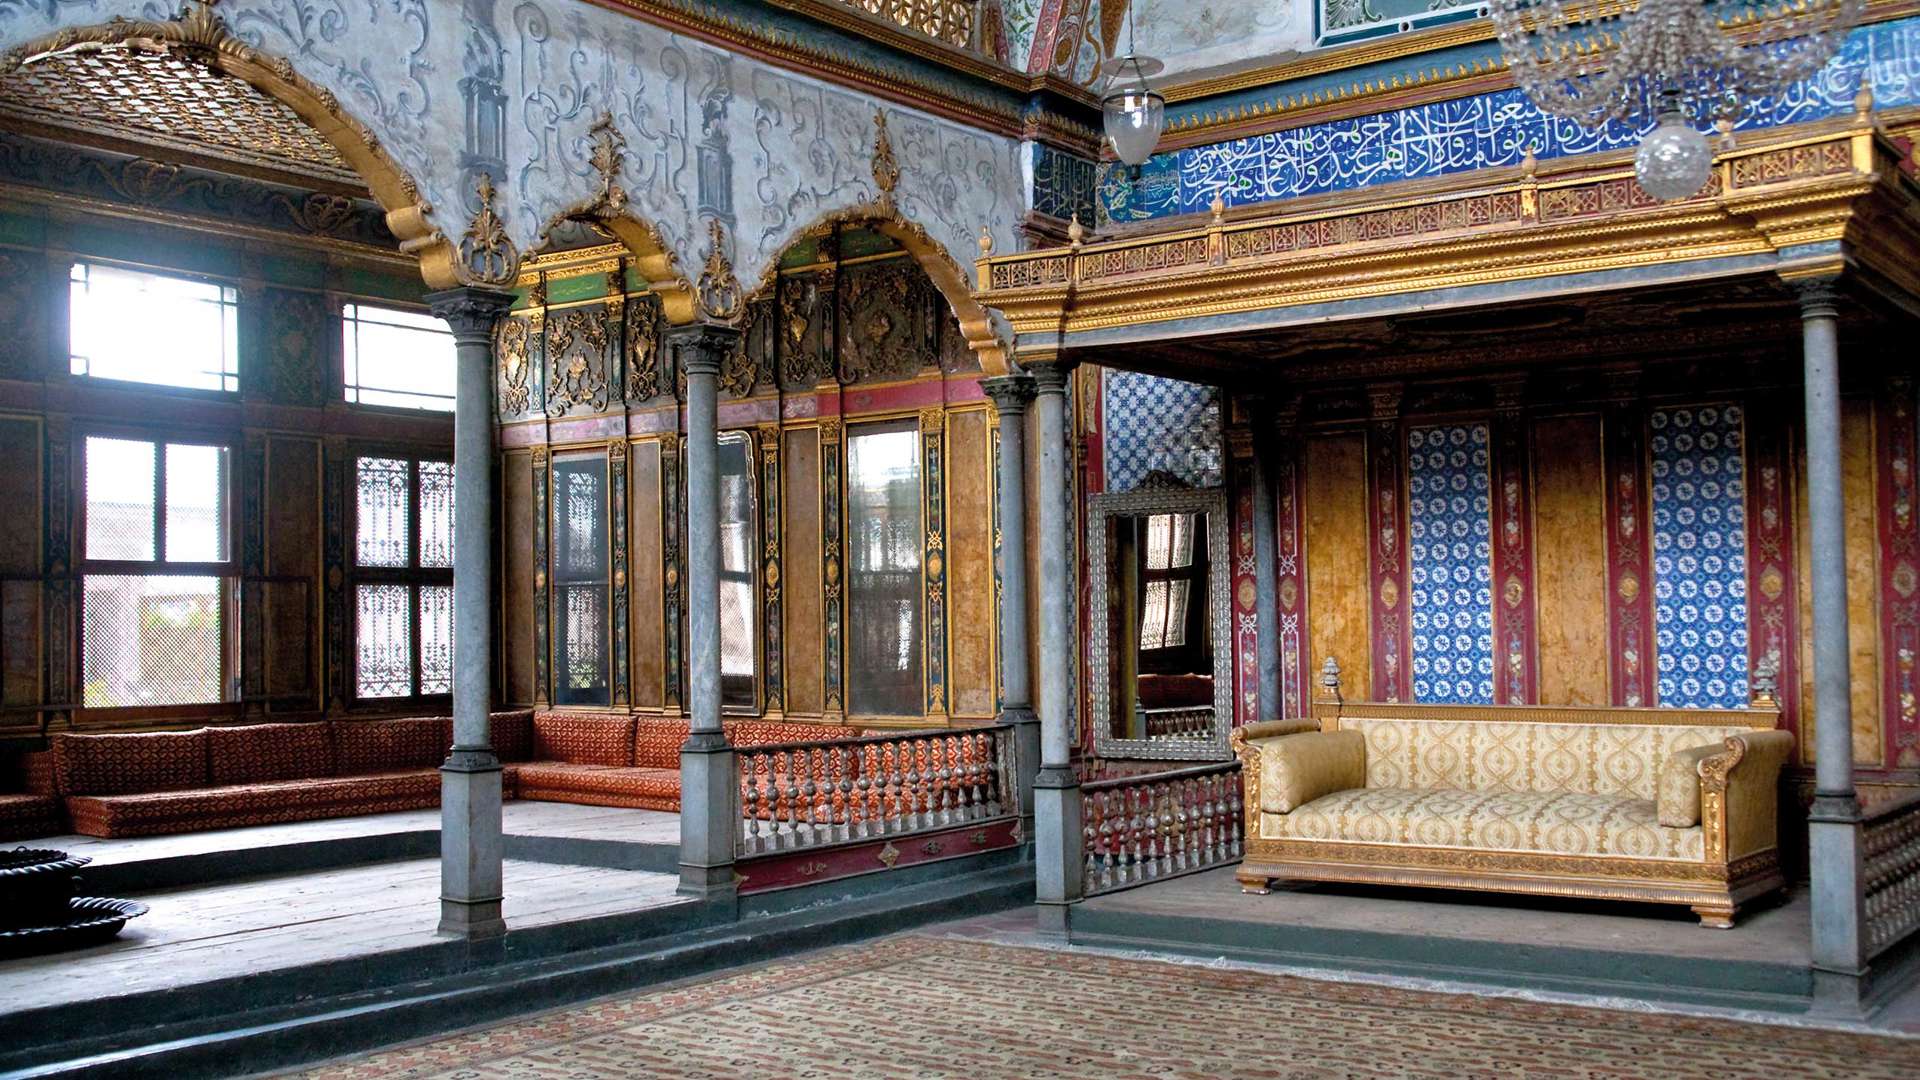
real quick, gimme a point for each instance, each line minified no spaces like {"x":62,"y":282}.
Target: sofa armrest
{"x":1740,"y":794}
{"x":1269,"y":729}
{"x":1289,"y":771}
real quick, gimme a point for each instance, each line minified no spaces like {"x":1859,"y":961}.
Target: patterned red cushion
{"x":512,"y":734}
{"x":263,"y":753}
{"x":372,"y":746}
{"x":600,"y":785}
{"x":37,"y":773}
{"x":253,"y":804}
{"x":656,"y":743}
{"x":768,"y":732}
{"x":22,"y":816}
{"x":583,"y":740}
{"x":129,"y":764}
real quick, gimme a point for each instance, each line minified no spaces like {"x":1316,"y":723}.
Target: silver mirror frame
{"x":1213,"y":503}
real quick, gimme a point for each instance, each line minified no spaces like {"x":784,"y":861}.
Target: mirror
{"x":1162,"y":661}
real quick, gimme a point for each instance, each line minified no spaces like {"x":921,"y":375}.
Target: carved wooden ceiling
{"x":168,"y":105}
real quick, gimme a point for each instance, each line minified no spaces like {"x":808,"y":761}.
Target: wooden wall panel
{"x":20,"y":551}
{"x":1863,"y":572}
{"x":1335,"y":497}
{"x":800,"y":559}
{"x":645,"y":570}
{"x":970,"y":603}
{"x":1570,"y":559}
{"x":291,"y":530}
{"x":516,"y":577}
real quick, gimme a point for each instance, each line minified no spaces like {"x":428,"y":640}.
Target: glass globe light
{"x":1674,"y":160}
{"x":1133,"y":112}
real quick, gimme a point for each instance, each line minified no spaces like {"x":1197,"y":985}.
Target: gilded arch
{"x":204,"y":36}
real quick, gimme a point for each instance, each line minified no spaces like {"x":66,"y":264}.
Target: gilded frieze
{"x":642,"y":348}
{"x":806,"y":329}
{"x":516,"y":370}
{"x":887,"y":323}
{"x":577,"y":353}
{"x":750,"y":361}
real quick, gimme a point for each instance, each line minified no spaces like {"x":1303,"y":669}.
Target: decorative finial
{"x":718,"y":289}
{"x":886,"y":169}
{"x":1076,"y":232}
{"x":1863,"y":101}
{"x":1764,"y":686}
{"x":608,"y":159}
{"x":1529,"y":164}
{"x":1330,"y":674}
{"x":487,"y":254}
{"x":1725,"y":126}
{"x":986,"y":241}
{"x":1219,"y":207}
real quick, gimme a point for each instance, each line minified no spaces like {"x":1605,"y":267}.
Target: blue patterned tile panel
{"x":1450,"y":564}
{"x":1447,"y":137}
{"x":1699,"y":556}
{"x":1155,"y":424}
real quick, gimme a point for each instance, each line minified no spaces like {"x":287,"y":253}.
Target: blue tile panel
{"x":1465,"y":134}
{"x":1153,"y":424}
{"x":1063,"y":183}
{"x":1450,"y":564}
{"x":1699,"y":556}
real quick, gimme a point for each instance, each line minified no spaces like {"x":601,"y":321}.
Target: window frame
{"x":108,"y":381}
{"x":884,"y":424}
{"x":413,"y":575}
{"x":227,"y":573}
{"x":1193,"y":649}
{"x":347,"y":389}
{"x":557,"y":579}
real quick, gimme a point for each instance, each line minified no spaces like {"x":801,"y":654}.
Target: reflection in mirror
{"x":1164,"y":657}
{"x":737,"y":607}
{"x":1162,"y":681}
{"x":884,"y":541}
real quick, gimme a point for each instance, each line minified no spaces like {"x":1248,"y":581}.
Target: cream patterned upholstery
{"x":1559,"y":823}
{"x":1592,"y":759}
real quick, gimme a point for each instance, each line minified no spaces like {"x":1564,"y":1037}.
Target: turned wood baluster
{"x":894,"y":778}
{"x":849,"y":759}
{"x":792,"y":801}
{"x":809,"y":808}
{"x":750,"y":796}
{"x":916,"y":805}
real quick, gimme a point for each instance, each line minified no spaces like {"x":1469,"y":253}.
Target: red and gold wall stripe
{"x":1773,"y":607}
{"x":773,"y":621}
{"x":1629,"y":559}
{"x":1516,"y":680}
{"x":1899,"y":539}
{"x":1245,"y":586}
{"x":1289,"y":572}
{"x":1387,"y":548}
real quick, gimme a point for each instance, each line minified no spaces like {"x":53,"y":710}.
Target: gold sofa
{"x":1671,"y":806}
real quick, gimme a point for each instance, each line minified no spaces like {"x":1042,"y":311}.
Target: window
{"x":403,"y":577}
{"x":580,"y":558}
{"x":152,"y":328}
{"x":1168,"y":581}
{"x":155,"y":598}
{"x":396,"y":357}
{"x":884,"y":540}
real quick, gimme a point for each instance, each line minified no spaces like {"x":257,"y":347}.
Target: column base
{"x":709,"y":817}
{"x":1026,"y":758}
{"x":1839,"y":995}
{"x":1053,"y":920}
{"x":471,"y":847}
{"x":1059,"y":869}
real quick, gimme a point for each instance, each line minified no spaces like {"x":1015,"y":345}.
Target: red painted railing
{"x":1138,"y":829}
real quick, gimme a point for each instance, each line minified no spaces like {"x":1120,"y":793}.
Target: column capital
{"x":1009,"y":393}
{"x":1050,"y":373}
{"x":470,"y":311}
{"x":1819,"y":296}
{"x":699,"y":348}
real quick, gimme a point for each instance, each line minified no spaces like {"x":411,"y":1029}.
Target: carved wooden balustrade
{"x":1182,"y":722}
{"x":1139,"y":829}
{"x":803,"y":795}
{"x":1892,"y":842}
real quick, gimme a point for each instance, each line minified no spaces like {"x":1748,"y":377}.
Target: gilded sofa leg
{"x":1715,"y":916}
{"x":1253,"y":883}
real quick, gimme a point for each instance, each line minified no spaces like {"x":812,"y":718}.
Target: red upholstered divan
{"x":33,"y":809}
{"x":258,"y":774}
{"x":628,"y":761}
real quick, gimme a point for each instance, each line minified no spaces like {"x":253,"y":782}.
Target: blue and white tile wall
{"x":1154,"y":424}
{"x":1465,"y":134}
{"x":1699,"y":556}
{"x":1450,"y":564}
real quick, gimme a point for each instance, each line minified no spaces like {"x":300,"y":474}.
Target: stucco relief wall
{"x":453,"y":90}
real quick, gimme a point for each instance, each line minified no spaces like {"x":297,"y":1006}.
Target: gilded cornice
{"x":1810,"y":184}
{"x":1378,"y":92}
{"x":1000,"y":112}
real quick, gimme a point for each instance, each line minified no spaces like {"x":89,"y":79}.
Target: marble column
{"x":1056,"y":792}
{"x":470,"y":844}
{"x":1011,"y":394}
{"x":709,"y":793}
{"x":1835,"y":861}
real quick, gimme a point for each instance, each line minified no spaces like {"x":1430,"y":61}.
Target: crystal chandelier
{"x":1674,"y":64}
{"x":1132,"y":112}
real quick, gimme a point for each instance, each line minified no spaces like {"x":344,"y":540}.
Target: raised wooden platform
{"x":1584,"y":947}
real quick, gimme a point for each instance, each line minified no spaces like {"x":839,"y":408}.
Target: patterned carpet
{"x":932,"y":1007}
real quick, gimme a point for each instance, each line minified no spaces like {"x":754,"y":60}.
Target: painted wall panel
{"x":1337,"y":529}
{"x":970,"y":600}
{"x":1450,"y":564}
{"x":20,"y":551}
{"x":292,"y":534}
{"x":516,"y":576}
{"x":1569,"y":521}
{"x":644,"y":570}
{"x":800,"y":495}
{"x":1863,"y":609}
{"x":1697,"y":484}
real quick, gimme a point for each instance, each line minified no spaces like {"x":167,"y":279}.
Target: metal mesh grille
{"x":436,"y":639}
{"x":381,"y":532}
{"x":151,"y":639}
{"x":436,"y":514}
{"x":384,"y":641}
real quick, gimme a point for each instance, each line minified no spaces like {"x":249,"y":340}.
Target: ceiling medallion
{"x":1669,"y":65}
